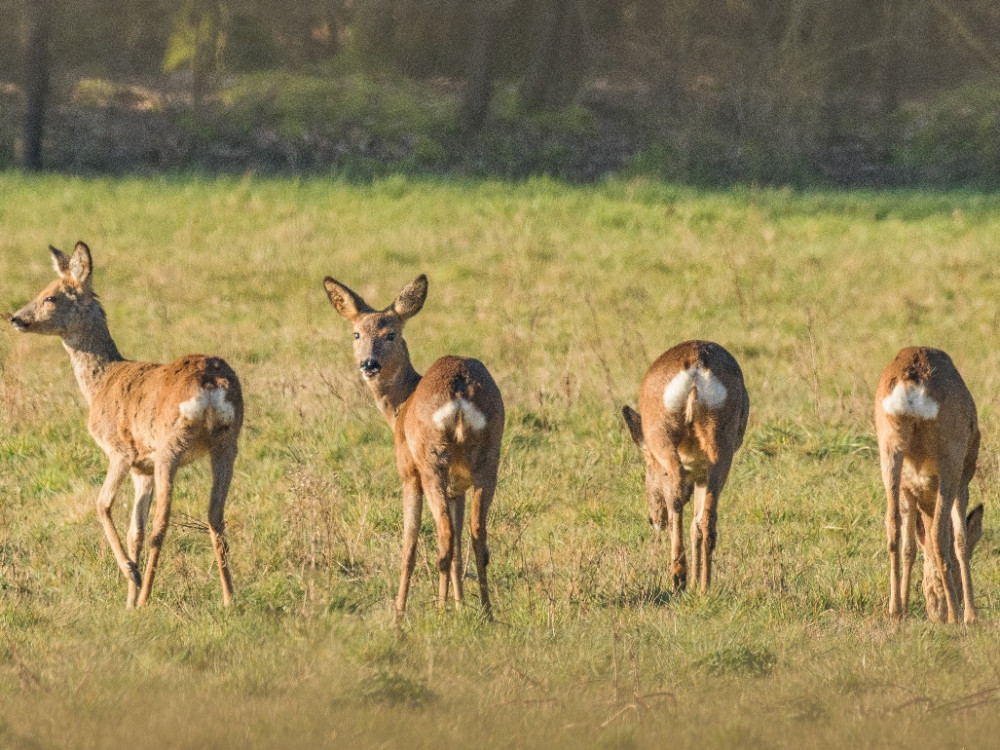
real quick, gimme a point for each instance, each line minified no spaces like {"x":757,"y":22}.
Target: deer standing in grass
{"x":448,"y":425}
{"x":928,"y":444}
{"x":693,"y":409}
{"x":150,"y":419}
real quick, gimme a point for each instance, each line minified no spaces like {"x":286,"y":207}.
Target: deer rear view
{"x":928,"y":442}
{"x":149,"y":419}
{"x":693,"y":409}
{"x":447,"y":424}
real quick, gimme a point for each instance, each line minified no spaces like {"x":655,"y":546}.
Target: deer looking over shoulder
{"x":149,"y":419}
{"x":694,"y":408}
{"x":447,"y":424}
{"x":928,"y":444}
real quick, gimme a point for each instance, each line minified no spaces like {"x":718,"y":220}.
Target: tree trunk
{"x":556,"y":64}
{"x":479,"y":81}
{"x":534,"y":91}
{"x":206,"y":19}
{"x":37,"y":63}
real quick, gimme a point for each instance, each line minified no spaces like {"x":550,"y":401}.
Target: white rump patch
{"x":446,"y":417}
{"x":211,"y":398}
{"x":711,"y":392}
{"x":910,"y":400}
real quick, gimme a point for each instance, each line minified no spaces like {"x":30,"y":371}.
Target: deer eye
{"x":357,"y":335}
{"x":390,"y":337}
{"x":51,"y":300}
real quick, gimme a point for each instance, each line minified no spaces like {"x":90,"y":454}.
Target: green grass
{"x":567,"y":294}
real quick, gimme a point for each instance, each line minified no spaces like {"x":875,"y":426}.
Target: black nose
{"x":18,"y":323}
{"x":370,"y":367}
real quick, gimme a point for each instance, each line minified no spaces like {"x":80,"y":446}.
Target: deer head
{"x":658,"y":511}
{"x":63,"y":307}
{"x":379,"y":349}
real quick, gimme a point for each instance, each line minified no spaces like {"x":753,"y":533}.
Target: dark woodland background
{"x":850,"y":92}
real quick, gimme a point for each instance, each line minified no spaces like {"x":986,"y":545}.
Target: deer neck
{"x":391,"y":392}
{"x":92,"y":351}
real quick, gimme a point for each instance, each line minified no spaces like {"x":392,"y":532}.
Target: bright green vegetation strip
{"x":567,"y":294}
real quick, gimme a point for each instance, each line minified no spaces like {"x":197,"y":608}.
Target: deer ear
{"x":80,"y":264}
{"x":409,"y":301}
{"x":634,"y":422}
{"x":345,"y":301}
{"x":60,"y":261}
{"x":974,"y":526}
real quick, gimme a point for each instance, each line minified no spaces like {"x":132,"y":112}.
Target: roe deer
{"x":928,"y":444}
{"x":694,"y":408}
{"x":149,"y":419}
{"x":447,"y":424}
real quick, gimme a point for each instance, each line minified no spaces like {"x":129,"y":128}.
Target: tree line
{"x":796,"y":72}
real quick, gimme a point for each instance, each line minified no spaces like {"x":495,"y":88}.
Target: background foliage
{"x":792,"y":91}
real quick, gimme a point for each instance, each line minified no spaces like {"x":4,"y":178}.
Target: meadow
{"x":567,"y":294}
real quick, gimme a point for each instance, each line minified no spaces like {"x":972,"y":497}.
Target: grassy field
{"x":567,"y":294}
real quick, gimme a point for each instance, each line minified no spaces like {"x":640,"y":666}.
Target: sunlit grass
{"x":567,"y":294}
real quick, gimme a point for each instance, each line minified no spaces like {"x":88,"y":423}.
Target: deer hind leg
{"x":709,"y":513}
{"x":676,"y":498}
{"x":105,"y":501}
{"x":456,"y":510}
{"x":412,"y":510}
{"x":697,"y":531}
{"x":483,"y":487}
{"x":943,"y":540}
{"x":222,"y":475}
{"x":963,"y":553}
{"x":434,"y":484}
{"x":908,"y":539}
{"x":143,"y":484}
{"x":163,"y":478}
{"x":892,"y":471}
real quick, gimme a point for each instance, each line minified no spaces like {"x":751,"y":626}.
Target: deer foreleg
{"x":105,"y":501}
{"x":412,"y":509}
{"x":143,"y":484}
{"x":163,"y":477}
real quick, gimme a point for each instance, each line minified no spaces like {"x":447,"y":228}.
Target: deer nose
{"x":18,"y":323}
{"x":370,"y":367}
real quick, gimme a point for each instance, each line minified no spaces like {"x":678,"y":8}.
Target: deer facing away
{"x":928,"y":444}
{"x":447,"y":425}
{"x":149,"y":419}
{"x":693,"y":409}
